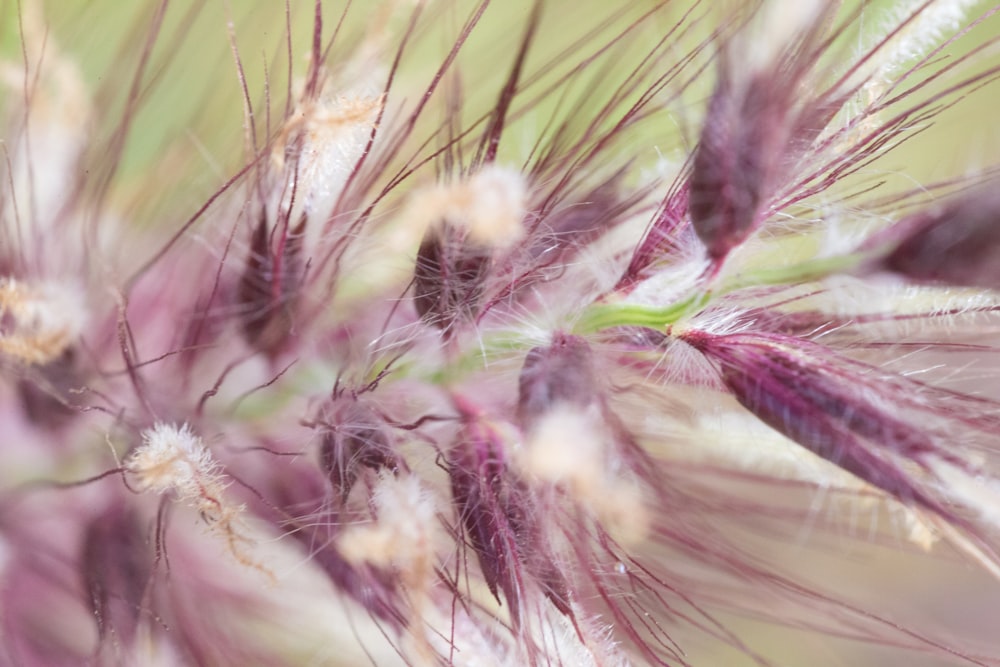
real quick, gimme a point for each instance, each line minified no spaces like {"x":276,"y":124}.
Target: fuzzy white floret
{"x":323,"y":139}
{"x":173,"y":458}
{"x":922,"y":34}
{"x":567,"y":445}
{"x":496,"y":206}
{"x":45,"y":319}
{"x":570,"y":447}
{"x":489,"y":205}
{"x":336,"y":134}
{"x":402,"y":534}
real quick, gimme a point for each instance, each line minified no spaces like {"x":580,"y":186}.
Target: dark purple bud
{"x":117,"y":566}
{"x":448,"y":277}
{"x":270,"y":285}
{"x":737,"y":164}
{"x":957,"y":245}
{"x":489,"y":510}
{"x":357,"y":439}
{"x":560,"y":373}
{"x":764,"y":115}
{"x":46,"y":391}
{"x":845,"y":416}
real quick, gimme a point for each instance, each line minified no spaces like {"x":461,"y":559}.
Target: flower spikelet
{"x":172,"y":459}
{"x":320,"y":144}
{"x":957,"y":243}
{"x":862,"y":421}
{"x":489,"y":205}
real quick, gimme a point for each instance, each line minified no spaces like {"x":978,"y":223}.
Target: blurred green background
{"x":191,"y":117}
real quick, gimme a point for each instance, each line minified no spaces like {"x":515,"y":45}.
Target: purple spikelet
{"x":958,"y":244}
{"x":270,"y":285}
{"x":355,"y":440}
{"x":488,"y":506}
{"x":560,"y":373}
{"x":448,"y":277}
{"x":852,"y":416}
{"x":756,"y":126}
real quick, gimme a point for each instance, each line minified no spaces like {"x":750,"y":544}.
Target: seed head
{"x":958,"y":244}
{"x":271,"y":283}
{"x":761,"y":116}
{"x":172,"y":459}
{"x":854,"y":417}
{"x":356,"y":440}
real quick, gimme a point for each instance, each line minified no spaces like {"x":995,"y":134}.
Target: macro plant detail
{"x":468,"y":334}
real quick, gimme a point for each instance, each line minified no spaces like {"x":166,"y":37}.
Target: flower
{"x":631,"y":337}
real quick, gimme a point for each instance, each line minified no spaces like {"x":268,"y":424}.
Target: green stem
{"x":795,"y":273}
{"x":609,"y":315}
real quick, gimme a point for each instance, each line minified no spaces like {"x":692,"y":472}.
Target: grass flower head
{"x":457,"y":332}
